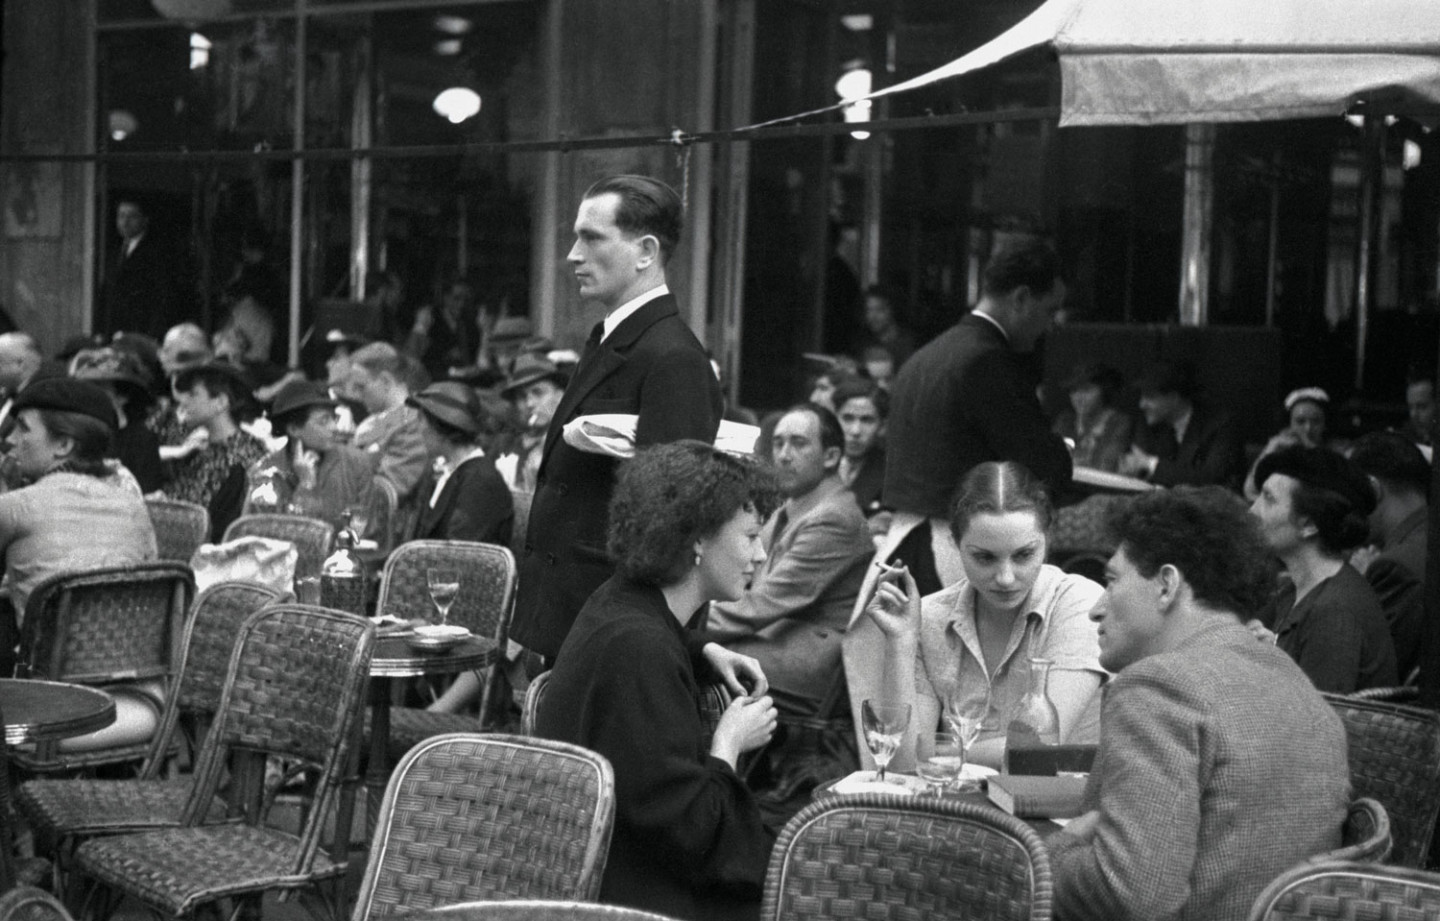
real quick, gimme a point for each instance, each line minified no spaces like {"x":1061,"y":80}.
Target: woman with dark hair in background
{"x":684,"y":531}
{"x":1098,"y":431}
{"x":1313,"y":510}
{"x":209,"y":467}
{"x":462,"y":496}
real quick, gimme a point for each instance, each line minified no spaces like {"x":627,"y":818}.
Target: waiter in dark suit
{"x":968,"y":397}
{"x":641,"y":359}
{"x":143,"y":286}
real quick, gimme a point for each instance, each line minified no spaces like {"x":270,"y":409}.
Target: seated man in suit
{"x":1184,"y":441}
{"x":1219,"y":764}
{"x":817,"y":546}
{"x":1395,"y":564}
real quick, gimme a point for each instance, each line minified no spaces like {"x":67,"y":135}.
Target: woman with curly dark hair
{"x":688,"y":842}
{"x":1313,"y":510}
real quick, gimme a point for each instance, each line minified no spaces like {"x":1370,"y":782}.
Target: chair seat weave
{"x":84,"y":806}
{"x":176,"y":869}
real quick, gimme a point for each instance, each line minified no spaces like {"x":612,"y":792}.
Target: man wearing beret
{"x":313,"y":474}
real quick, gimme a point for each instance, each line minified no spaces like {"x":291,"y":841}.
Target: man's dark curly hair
{"x":1208,"y":534}
{"x":671,"y":495}
{"x":1333,"y":493}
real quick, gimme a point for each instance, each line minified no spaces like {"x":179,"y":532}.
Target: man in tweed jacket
{"x":1220,"y":765}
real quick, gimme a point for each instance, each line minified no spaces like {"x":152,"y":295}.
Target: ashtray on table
{"x":437,"y":637}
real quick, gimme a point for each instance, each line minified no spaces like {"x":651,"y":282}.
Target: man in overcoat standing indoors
{"x":642,"y":359}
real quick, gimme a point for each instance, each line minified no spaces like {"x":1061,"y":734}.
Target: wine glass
{"x":941,"y":768}
{"x":884,"y":726}
{"x":966,"y":719}
{"x":444,"y":587}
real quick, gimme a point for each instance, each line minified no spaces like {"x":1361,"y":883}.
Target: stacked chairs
{"x":100,"y":627}
{"x":180,"y":527}
{"x":486,"y":598}
{"x":887,"y":856}
{"x":62,"y":812}
{"x":293,"y":690}
{"x":471,"y":817}
{"x":1394,"y":754}
{"x":1349,"y":890}
{"x":313,"y":538}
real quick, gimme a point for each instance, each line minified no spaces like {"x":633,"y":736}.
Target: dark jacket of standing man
{"x":968,"y":397}
{"x":143,"y":291}
{"x":646,"y":362}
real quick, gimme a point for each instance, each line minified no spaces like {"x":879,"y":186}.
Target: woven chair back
{"x":180,"y":527}
{"x":28,"y":903}
{"x":210,"y":637}
{"x":520,"y":525}
{"x":1349,"y":891}
{"x":487,"y":583}
{"x":295,"y":689}
{"x":536,"y":910}
{"x":313,"y":538}
{"x":105,"y":625}
{"x":1394,"y":753}
{"x":882,"y":855}
{"x":470,"y":817}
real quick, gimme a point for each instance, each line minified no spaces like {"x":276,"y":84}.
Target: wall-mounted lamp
{"x":457,"y":104}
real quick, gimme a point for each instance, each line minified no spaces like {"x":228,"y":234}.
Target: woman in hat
{"x":76,"y":513}
{"x":128,"y":383}
{"x":462,"y":496}
{"x":313,"y":474}
{"x":1099,"y":431}
{"x":1313,"y":509}
{"x":1306,"y":410}
{"x":209,"y":468}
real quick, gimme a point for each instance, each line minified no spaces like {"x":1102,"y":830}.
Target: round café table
{"x":38,"y":711}
{"x":395,"y":658}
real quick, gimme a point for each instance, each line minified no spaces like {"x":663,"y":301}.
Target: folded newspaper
{"x":614,"y":434}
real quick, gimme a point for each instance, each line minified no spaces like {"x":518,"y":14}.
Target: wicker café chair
{"x":180,"y":527}
{"x":1349,"y":891}
{"x":21,"y":871}
{"x":384,"y":513}
{"x":313,"y":538}
{"x":100,"y":627}
{"x":1365,"y":836}
{"x":470,"y":817}
{"x":487,"y":595}
{"x":293,"y":690}
{"x":63,"y":811}
{"x":533,"y":910}
{"x":27,"y":903}
{"x":882,"y":855}
{"x":533,"y":695}
{"x":1394,"y":756}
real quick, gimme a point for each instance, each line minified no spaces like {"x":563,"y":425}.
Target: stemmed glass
{"x":884,"y":726}
{"x":444,"y":587}
{"x":966,"y":721}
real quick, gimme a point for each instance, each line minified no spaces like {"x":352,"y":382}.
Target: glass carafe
{"x":1036,"y":722}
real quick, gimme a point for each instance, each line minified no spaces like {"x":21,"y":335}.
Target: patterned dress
{"x":215,"y":478}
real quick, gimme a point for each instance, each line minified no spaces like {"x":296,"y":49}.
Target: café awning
{"x":1137,"y":62}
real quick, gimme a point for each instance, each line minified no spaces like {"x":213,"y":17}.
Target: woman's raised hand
{"x":895,"y":605}
{"x":747,"y":724}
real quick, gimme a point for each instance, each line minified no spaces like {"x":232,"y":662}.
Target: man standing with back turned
{"x":969,"y":397}
{"x":641,"y":359}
